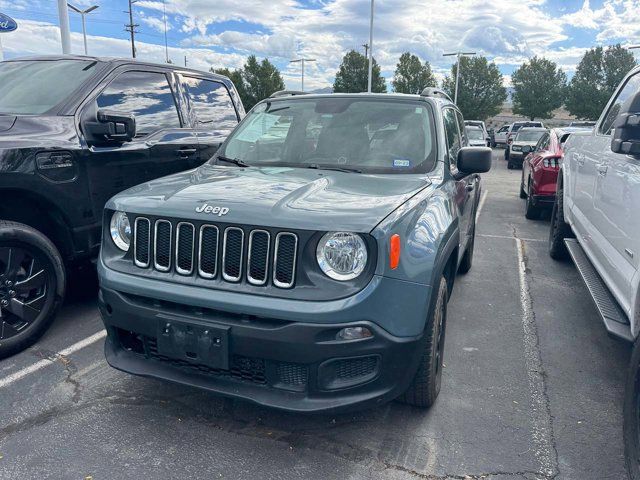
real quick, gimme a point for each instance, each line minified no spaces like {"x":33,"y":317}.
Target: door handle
{"x":602,"y":169}
{"x":580,"y":159}
{"x":186,"y":151}
{"x":471,"y":186}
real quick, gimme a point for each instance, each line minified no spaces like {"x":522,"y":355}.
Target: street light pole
{"x":84,"y":26}
{"x":65,"y":35}
{"x":302,"y":61}
{"x":459,"y":55}
{"x":370,"y":50}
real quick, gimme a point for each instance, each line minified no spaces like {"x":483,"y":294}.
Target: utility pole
{"x":366,"y":49}
{"x":459,"y":55}
{"x":84,"y":26}
{"x":131,"y":28}
{"x":370,"y":50}
{"x":302,"y":60}
{"x":65,"y":34}
{"x":185,"y":60}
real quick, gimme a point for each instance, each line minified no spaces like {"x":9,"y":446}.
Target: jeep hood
{"x":281,"y":197}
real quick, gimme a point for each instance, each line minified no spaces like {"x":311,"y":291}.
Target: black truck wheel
{"x":425,"y":387}
{"x":631,"y":415}
{"x":32,"y":285}
{"x":559,"y":228}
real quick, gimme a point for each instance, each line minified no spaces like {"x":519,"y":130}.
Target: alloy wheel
{"x":23,"y":289}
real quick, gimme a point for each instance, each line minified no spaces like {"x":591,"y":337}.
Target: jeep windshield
{"x":353,"y":134}
{"x":35,"y":87}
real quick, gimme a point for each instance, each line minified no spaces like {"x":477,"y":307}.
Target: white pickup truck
{"x":596,"y":220}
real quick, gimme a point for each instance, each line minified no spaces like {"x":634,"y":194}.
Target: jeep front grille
{"x":256,"y":256}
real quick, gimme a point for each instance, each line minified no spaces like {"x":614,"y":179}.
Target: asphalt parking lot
{"x":532,"y":388}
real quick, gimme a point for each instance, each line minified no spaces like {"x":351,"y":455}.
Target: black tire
{"x":631,"y":415}
{"x":523,"y":194}
{"x":507,"y":154}
{"x":509,"y":166}
{"x":559,"y":228}
{"x":531,"y":210}
{"x":425,"y":387}
{"x":32,"y":275}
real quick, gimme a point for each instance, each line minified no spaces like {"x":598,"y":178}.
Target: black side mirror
{"x":527,"y":149}
{"x":111,"y":126}
{"x":474,"y":160}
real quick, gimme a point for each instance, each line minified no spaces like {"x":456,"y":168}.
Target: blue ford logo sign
{"x":7,"y":24}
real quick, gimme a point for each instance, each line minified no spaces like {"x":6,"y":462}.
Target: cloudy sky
{"x":223,"y":32}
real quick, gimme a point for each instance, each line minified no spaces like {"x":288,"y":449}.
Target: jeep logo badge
{"x":206,"y":208}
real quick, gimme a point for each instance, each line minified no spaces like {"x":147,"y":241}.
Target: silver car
{"x":524,"y":142}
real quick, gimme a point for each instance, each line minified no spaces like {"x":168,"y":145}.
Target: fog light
{"x":354,"y":333}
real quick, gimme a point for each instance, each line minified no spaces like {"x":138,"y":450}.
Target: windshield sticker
{"x":401,"y":163}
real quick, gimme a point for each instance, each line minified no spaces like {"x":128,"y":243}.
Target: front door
{"x":615,"y":201}
{"x":214,"y":113}
{"x":464,"y":187}
{"x":163,"y":144}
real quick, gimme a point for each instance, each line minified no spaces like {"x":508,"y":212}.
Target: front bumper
{"x":295,"y":366}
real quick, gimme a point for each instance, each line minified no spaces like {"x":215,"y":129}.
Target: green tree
{"x":539,"y":88}
{"x":411,"y":75}
{"x":255,"y":81}
{"x":596,"y":78}
{"x":353,"y":75}
{"x":480,"y":93}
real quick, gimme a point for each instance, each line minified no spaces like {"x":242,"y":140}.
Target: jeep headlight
{"x":121,"y":231}
{"x":516,"y":148}
{"x":342,"y":255}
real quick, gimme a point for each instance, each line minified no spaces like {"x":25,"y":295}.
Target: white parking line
{"x":483,"y":198}
{"x":14,"y":377}
{"x":542,"y":433}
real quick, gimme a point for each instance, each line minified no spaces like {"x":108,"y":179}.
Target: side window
{"x":147,"y":95}
{"x":454,"y":142}
{"x":631,"y":88}
{"x":212,"y":104}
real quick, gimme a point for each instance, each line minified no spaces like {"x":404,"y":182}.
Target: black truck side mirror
{"x":626,"y":132}
{"x":113,"y":126}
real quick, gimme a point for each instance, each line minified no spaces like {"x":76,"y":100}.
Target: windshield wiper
{"x":236,"y":161}
{"x":336,"y":169}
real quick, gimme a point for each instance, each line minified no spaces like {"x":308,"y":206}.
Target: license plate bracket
{"x":194,"y":343}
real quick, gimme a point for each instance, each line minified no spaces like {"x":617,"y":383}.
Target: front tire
{"x":523,"y":194}
{"x":631,"y":414}
{"x":32,"y":286}
{"x":559,"y":228}
{"x":425,"y":387}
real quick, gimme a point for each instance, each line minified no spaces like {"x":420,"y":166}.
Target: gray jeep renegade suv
{"x":307,"y":266}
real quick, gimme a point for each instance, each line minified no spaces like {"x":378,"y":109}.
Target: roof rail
{"x":435,"y":92}
{"x":287,"y":93}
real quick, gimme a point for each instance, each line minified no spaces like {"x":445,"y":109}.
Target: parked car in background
{"x":280,"y":256}
{"x":523,"y":143}
{"x":476,"y":136}
{"x":513,"y":130}
{"x":74,"y":131}
{"x":500,"y":139}
{"x":595,"y":220}
{"x":540,"y":171}
{"x":481,"y":125}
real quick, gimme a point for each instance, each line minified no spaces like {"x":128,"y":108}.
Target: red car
{"x":540,"y":171}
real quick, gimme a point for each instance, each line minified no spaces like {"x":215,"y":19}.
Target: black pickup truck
{"x":74,"y":131}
